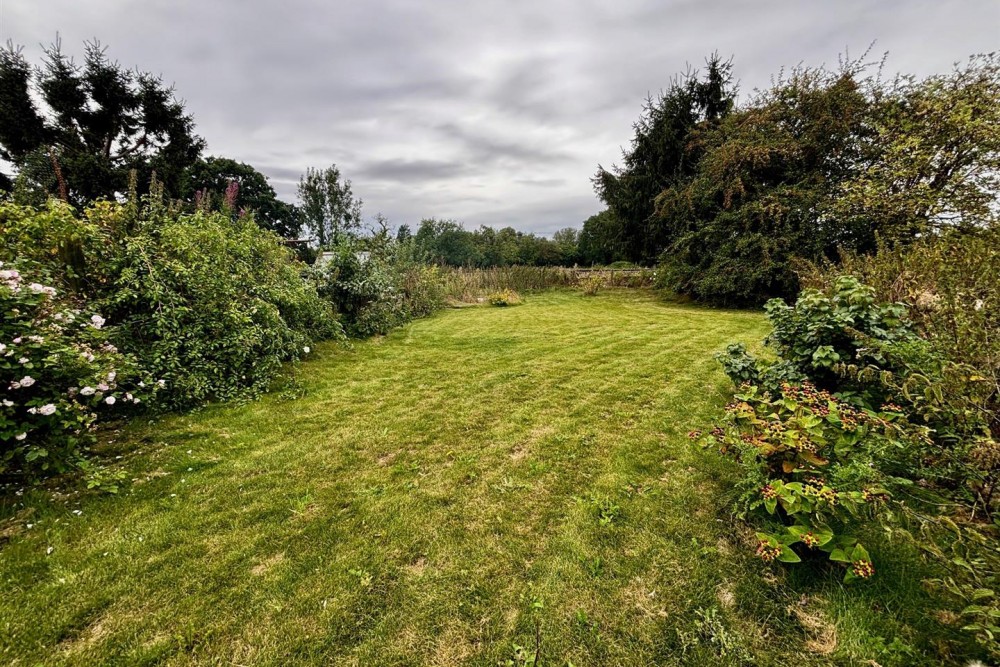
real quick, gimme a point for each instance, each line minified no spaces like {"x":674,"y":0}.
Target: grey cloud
{"x":411,"y":170}
{"x":493,"y":112}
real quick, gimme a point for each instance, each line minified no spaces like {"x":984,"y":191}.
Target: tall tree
{"x":761,"y":191}
{"x":329,"y":208}
{"x":211,"y":176}
{"x":663,"y":152}
{"x":91,"y":125}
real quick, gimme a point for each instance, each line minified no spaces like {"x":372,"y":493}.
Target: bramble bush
{"x":59,"y":375}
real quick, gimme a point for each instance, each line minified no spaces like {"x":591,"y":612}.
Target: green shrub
{"x":59,"y":374}
{"x":373,"y":288}
{"x":213,"y":305}
{"x":918,"y":442}
{"x":507,"y":297}
{"x":950,"y":382}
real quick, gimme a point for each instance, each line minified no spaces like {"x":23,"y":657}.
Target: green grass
{"x":473,"y":483}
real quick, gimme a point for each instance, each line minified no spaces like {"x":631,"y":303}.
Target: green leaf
{"x":788,"y":556}
{"x":840,"y":556}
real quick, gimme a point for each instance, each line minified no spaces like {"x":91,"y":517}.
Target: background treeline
{"x":727,"y":196}
{"x":447,"y":243}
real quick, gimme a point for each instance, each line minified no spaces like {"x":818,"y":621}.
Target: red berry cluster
{"x":863,"y":568}
{"x":766,"y":552}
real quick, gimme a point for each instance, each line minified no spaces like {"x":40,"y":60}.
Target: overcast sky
{"x":487,"y":112}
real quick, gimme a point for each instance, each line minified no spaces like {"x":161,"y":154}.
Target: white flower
{"x":161,"y":383}
{"x":137,"y":400}
{"x":32,"y":411}
{"x":88,"y":356}
{"x":97,"y":321}
{"x":87,"y":391}
{"x":103,"y":387}
{"x":8,"y":404}
{"x":47,"y":409}
{"x":111,"y":376}
{"x":306,"y":349}
{"x":20,"y":436}
{"x":979,"y":304}
{"x":128,"y":396}
{"x":3,"y":348}
{"x":110,"y":400}
{"x":27,"y":381}
{"x":23,"y":360}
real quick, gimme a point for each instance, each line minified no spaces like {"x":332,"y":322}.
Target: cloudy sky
{"x":488,"y":112}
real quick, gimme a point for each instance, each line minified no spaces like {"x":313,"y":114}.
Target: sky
{"x":487,"y":112}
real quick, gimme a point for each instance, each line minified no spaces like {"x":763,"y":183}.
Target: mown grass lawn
{"x":479,"y":481}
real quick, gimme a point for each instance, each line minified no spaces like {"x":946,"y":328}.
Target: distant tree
{"x":446,"y":242}
{"x":663,"y":152}
{"x":329,"y":209}
{"x":78,"y":131}
{"x":403,"y":234}
{"x":211,"y":176}
{"x":567,"y":241}
{"x":600,"y":240}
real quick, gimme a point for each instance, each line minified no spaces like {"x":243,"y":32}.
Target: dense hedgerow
{"x":206,"y":301}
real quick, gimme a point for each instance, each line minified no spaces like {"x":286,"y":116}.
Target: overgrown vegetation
{"x":901,"y":431}
{"x":449,"y":493}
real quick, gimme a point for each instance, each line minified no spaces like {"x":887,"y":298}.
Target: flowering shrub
{"x":58,"y":376}
{"x":208,"y":301}
{"x":507,"y":297}
{"x":814,"y":466}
